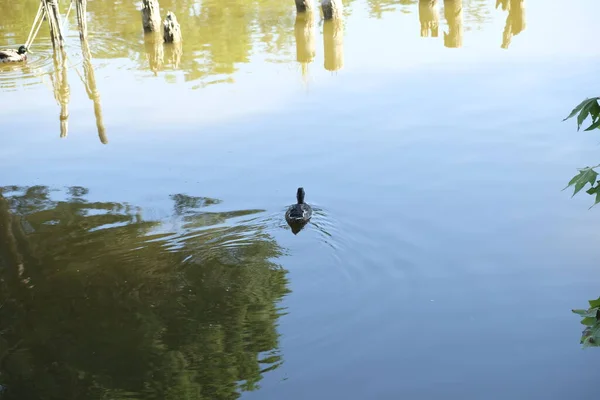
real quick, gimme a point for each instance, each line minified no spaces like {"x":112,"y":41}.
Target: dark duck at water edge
{"x":298,"y":215}
{"x":11,"y":55}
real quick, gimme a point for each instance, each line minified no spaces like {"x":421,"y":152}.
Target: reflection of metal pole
{"x":429,"y":18}
{"x":453,"y":15}
{"x":333,"y":43}
{"x":53,"y":15}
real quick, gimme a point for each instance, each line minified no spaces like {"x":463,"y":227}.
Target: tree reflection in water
{"x":95,"y":304}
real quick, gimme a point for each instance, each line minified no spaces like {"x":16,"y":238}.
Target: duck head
{"x":22,"y":50}
{"x":300,"y":195}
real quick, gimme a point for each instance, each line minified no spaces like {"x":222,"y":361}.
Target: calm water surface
{"x":143,"y":250}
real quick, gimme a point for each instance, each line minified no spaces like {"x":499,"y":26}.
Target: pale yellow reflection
{"x":304,"y":31}
{"x":61,"y":89}
{"x":155,"y":53}
{"x":91,"y":88}
{"x":453,"y":10}
{"x":222,"y":35}
{"x":89,"y":76}
{"x":333,"y":44}
{"x":515,"y":20}
{"x":429,"y":18}
{"x":173,"y":53}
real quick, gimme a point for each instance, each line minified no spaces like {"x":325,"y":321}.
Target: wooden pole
{"x":453,"y":15}
{"x":333,"y":44}
{"x":304,"y":6}
{"x":53,"y":16}
{"x":332,"y":9}
{"x":429,"y":18}
{"x":151,"y":16}
{"x":171,"y":29}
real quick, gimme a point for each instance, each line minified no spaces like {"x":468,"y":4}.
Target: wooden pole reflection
{"x":89,"y":76}
{"x":333,"y":44}
{"x":61,"y":89}
{"x":453,"y":15}
{"x":53,"y":16}
{"x":172,"y":53}
{"x":153,"y":43}
{"x":304,"y":31}
{"x":429,"y":18}
{"x":515,"y":21}
{"x":332,"y":9}
{"x":304,"y":6}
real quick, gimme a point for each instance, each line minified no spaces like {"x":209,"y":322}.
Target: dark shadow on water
{"x":97,"y":302}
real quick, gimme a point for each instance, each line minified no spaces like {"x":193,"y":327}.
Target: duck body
{"x":12,"y":56}
{"x":299,"y":213}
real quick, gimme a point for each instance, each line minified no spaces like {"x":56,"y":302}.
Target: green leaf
{"x":577,"y":109}
{"x":583,"y":114}
{"x":589,"y":342}
{"x":588,"y":107}
{"x":595,"y":109}
{"x":596,"y":191}
{"x":586,"y":175}
{"x":580,"y":312}
{"x":589,"y":321}
{"x":585,"y":313}
{"x":595,"y":331}
{"x":593,"y":126}
{"x":594,"y":303}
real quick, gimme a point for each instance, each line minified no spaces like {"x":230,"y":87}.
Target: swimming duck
{"x":10,"y":55}
{"x":299,"y":213}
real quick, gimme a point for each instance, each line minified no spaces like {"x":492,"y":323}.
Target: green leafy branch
{"x":589,"y":108}
{"x":590,"y":318}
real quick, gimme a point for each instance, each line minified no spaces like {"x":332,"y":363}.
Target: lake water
{"x":144,"y":252}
